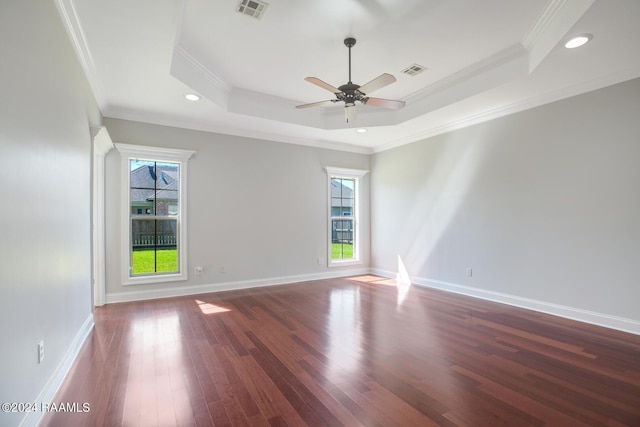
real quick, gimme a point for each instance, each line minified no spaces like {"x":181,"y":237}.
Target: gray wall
{"x":45,"y":151}
{"x":257,"y":207}
{"x":542,"y":205}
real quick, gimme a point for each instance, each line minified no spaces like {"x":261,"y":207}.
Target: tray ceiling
{"x":482,"y":59}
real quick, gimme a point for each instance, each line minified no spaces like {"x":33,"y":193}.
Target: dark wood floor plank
{"x":269,"y":361}
{"x":521,"y":401}
{"x":238,"y":388}
{"x":353,"y":351}
{"x":290,"y":393}
{"x":272,"y":403}
{"x":218,"y":414}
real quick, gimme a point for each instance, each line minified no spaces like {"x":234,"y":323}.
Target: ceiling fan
{"x":350,"y":92}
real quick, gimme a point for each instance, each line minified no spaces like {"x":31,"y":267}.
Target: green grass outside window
{"x":341,"y":251}
{"x":167,"y":262}
{"x":143,"y":261}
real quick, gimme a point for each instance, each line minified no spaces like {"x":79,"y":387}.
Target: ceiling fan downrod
{"x":349,"y":89}
{"x":350,"y":42}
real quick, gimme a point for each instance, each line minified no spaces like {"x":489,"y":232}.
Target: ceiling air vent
{"x":253,"y":8}
{"x":414,"y":69}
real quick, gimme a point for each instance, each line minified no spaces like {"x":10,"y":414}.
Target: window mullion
{"x":155,"y":221}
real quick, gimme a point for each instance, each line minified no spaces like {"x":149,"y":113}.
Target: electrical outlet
{"x":320,"y":261}
{"x":469,"y":272}
{"x":40,"y":351}
{"x":197,"y":270}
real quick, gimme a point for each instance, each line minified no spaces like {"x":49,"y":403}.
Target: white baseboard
{"x":600,"y":319}
{"x":176,"y":291}
{"x":47,"y":394}
{"x":586,"y":316}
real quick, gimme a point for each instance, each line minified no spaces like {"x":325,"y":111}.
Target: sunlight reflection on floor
{"x":368,"y":278}
{"x":402,"y":281}
{"x":208,"y":308}
{"x":155,"y":357}
{"x":344,"y":331}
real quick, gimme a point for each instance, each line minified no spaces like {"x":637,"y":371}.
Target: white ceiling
{"x":484,"y":59}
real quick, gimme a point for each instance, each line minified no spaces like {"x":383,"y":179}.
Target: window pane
{"x":342,"y":193}
{"x":154,"y":188}
{"x":154,"y":246}
{"x":154,"y":191}
{"x":342,"y":230}
{"x":342,"y":235}
{"x":344,"y":216}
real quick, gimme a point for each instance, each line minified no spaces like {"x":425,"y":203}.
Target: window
{"x":343,"y":198}
{"x":154,"y":218}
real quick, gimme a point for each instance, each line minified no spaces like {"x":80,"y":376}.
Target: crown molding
{"x":507,"y":56}
{"x":70,"y":20}
{"x":500,"y":111}
{"x":186,"y":68}
{"x":151,"y":118}
{"x":504,"y":67}
{"x":553,"y":24}
{"x":542,"y":23}
{"x":507,"y":109}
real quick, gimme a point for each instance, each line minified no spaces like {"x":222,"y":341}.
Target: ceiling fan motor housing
{"x":350,"y":93}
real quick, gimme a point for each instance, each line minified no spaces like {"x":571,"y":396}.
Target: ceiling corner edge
{"x":551,"y":26}
{"x":72,"y":25}
{"x":187,"y":69}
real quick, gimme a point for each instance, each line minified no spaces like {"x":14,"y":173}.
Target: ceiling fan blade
{"x":385,"y":103}
{"x":316,"y":81}
{"x":350,"y":113}
{"x":316,"y":104}
{"x":379,"y":82}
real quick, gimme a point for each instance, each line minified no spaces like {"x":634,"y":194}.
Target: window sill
{"x":344,"y":263}
{"x":145,"y":280}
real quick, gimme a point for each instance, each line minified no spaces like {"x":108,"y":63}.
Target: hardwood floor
{"x":351,"y":352}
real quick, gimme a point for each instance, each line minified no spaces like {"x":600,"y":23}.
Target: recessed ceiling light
{"x":578,"y":41}
{"x":361,"y":130}
{"x":192,"y":97}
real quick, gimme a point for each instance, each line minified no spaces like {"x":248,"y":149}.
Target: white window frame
{"x":137,"y":152}
{"x":356,"y":175}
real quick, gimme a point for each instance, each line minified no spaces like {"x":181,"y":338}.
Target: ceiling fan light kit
{"x":350,"y":93}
